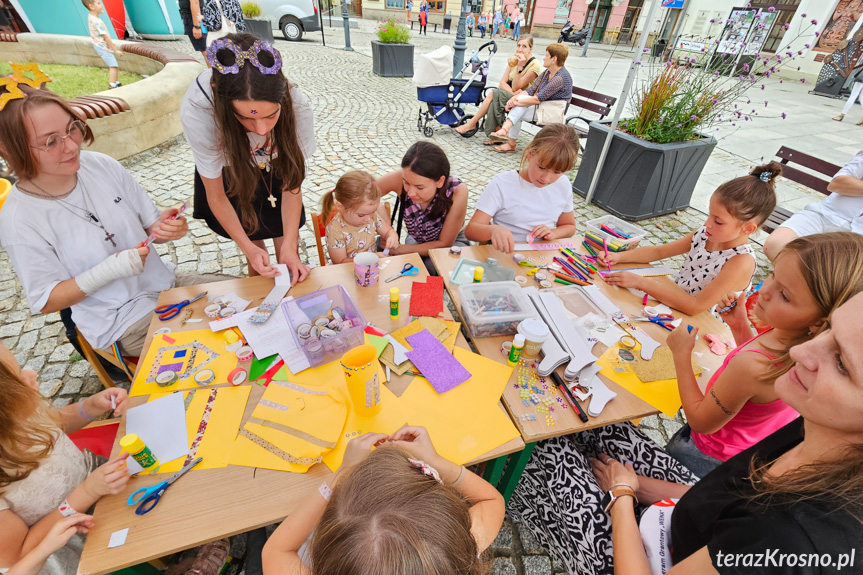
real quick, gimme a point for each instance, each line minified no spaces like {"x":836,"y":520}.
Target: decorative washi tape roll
{"x":205,"y":377}
{"x":521,"y":280}
{"x":491,"y":261}
{"x":244,"y":353}
{"x":455,"y":251}
{"x":227,"y":311}
{"x":167,"y":378}
{"x":651,"y":311}
{"x":545,"y":284}
{"x":505,"y":347}
{"x":162,"y":330}
{"x":237,"y":376}
{"x":517,"y":257}
{"x":540,"y":276}
{"x":627,"y":341}
{"x":212,"y":310}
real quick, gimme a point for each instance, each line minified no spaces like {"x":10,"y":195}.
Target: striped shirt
{"x":419,"y":225}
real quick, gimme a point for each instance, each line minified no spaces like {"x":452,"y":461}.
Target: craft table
{"x":210,"y":504}
{"x":624,"y":407}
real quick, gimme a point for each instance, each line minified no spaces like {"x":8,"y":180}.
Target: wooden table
{"x":210,"y":504}
{"x":624,"y":407}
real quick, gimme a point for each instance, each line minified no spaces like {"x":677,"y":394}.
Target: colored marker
{"x":605,"y":247}
{"x":588,"y":248}
{"x":568,"y":394}
{"x":733,"y":304}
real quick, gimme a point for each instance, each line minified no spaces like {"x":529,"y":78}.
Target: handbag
{"x":551,"y":112}
{"x":228,"y":27}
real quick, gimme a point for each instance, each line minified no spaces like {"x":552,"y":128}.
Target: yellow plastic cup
{"x":361,"y":376}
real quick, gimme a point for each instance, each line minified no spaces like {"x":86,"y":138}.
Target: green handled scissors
{"x":148,"y":497}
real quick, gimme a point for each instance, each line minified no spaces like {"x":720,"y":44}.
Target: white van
{"x":294,"y":16}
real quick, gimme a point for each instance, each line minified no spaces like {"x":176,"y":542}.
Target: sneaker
{"x":114,"y":85}
{"x":211,"y":558}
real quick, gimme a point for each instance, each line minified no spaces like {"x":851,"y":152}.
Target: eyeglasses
{"x":55,"y":142}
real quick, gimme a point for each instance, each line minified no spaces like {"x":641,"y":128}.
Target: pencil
{"x":568,"y":394}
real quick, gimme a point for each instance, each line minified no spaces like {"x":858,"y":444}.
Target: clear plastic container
{"x":615,"y":244}
{"x":325,"y":324}
{"x":492,"y":309}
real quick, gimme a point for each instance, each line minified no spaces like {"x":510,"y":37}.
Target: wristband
{"x":66,"y":510}
{"x":83,"y":413}
{"x":460,"y":476}
{"x":325,"y":491}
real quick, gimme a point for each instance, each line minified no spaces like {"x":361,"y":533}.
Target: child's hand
{"x":416,"y":441}
{"x":541,"y":232}
{"x":108,"y":479}
{"x":359,"y":447}
{"x":611,"y":260}
{"x":736,"y":316}
{"x":62,"y":531}
{"x":501,"y":239}
{"x":101,"y":402}
{"x":623,"y":279}
{"x":118,"y":53}
{"x":681,"y":340}
{"x":392,"y":242}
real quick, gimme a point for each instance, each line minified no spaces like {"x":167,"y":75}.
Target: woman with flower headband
{"x":250,"y":132}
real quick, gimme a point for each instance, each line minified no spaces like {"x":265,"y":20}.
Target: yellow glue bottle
{"x":394,"y":302}
{"x":133,"y":445}
{"x":477,"y":274}
{"x":515,"y":350}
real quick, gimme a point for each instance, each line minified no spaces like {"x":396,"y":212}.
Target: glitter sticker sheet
{"x":436,"y":364}
{"x":183,"y":352}
{"x":427,"y":298}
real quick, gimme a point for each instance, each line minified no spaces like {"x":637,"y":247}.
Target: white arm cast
{"x":123,"y":264}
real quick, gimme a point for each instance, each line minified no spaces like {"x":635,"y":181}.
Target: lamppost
{"x":614,"y":4}
{"x":347,"y":22}
{"x":460,"y":42}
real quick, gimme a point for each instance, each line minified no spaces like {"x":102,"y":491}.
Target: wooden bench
{"x":599,"y":104}
{"x":417,"y":22}
{"x":811,"y":181}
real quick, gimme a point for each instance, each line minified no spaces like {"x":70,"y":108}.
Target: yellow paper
{"x":453,"y":328}
{"x":466,"y":421}
{"x":664,"y":395}
{"x":209,"y":353}
{"x":307,"y":424}
{"x":442,"y":331}
{"x":224,"y":421}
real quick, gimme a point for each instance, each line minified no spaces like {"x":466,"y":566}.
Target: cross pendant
{"x":110,"y":238}
{"x":272,"y":200}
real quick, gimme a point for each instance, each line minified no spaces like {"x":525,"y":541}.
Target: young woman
{"x":250,"y":132}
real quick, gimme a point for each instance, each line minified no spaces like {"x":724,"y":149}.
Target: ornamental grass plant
{"x":391,"y":32}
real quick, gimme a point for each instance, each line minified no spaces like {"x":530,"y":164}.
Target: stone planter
{"x":263,"y":29}
{"x":393,"y":60}
{"x":640,"y":179}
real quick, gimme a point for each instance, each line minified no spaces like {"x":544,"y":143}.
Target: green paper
{"x":282,"y":374}
{"x":259,"y":366}
{"x":377,"y":341}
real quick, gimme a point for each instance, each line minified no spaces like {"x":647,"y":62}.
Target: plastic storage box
{"x":325,"y":324}
{"x":615,"y":244}
{"x":492,"y":309}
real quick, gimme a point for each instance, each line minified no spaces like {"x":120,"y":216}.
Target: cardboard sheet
{"x":468,"y":421}
{"x":184,"y":352}
{"x":437,"y":365}
{"x":220,"y":428}
{"x":663,"y":394}
{"x":161,"y":425}
{"x":427,"y":297}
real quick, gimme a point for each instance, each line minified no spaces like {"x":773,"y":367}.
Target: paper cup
{"x":361,"y":376}
{"x":366,"y":269}
{"x":535,"y":333}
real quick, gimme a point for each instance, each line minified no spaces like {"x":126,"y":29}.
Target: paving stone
{"x":536,"y":565}
{"x":11,"y":329}
{"x":54,"y":370}
{"x":50,"y":387}
{"x":80,"y":369}
{"x":45,"y":346}
{"x":504,"y":536}
{"x":51,"y":330}
{"x":28,"y":340}
{"x":35,"y":363}
{"x":73,"y":385}
{"x":209,"y":267}
{"x":529,"y":543}
{"x":502,"y":566}
{"x":92,"y":385}
{"x":61,"y":402}
{"x":35,"y":322}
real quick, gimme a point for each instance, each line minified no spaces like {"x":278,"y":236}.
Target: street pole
{"x":621,"y":102}
{"x":460,"y":42}
{"x":321,"y":14}
{"x":590,"y":29}
{"x":347,"y":22}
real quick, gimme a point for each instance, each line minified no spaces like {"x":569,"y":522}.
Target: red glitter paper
{"x":427,"y":298}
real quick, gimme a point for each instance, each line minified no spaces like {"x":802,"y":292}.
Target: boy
{"x":102,"y":41}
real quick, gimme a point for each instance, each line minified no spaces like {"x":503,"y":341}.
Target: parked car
{"x":294,"y":17}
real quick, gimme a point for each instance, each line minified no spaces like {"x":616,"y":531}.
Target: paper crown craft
{"x":11,"y":83}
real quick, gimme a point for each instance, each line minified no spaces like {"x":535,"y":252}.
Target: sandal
{"x":860,"y":123}
{"x":505,"y":149}
{"x":462,"y":126}
{"x":839,"y":118}
{"x":211,"y":558}
{"x":490,"y":143}
{"x":498,"y":138}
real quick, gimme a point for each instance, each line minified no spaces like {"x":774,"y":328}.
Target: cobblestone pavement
{"x":362,"y":121}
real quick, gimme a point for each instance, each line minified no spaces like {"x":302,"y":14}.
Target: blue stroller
{"x":445,"y":97}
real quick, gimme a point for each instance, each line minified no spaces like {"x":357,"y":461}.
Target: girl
{"x":719,"y":258}
{"x":400,"y":509}
{"x":812,"y":276}
{"x":75,"y":222}
{"x":250,"y":132}
{"x":355,"y":223}
{"x":433,"y":203}
{"x":534,"y":201}
{"x":43,"y":476}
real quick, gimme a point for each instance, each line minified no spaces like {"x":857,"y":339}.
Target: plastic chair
{"x":5,"y":188}
{"x":320,"y":229}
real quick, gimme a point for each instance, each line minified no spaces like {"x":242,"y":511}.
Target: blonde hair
{"x":556,"y":147}
{"x":388,"y":517}
{"x":352,"y":189}
{"x":27,"y":432}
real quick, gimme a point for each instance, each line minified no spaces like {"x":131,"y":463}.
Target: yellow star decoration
{"x":39,"y":77}
{"x":13,"y":92}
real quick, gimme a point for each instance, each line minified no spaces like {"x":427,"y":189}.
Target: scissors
{"x":662,"y":319}
{"x":149,"y":496}
{"x":166,"y":312}
{"x":408,"y":270}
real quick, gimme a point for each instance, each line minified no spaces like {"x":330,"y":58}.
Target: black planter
{"x":263,"y":29}
{"x":393,"y":60}
{"x":640,"y":179}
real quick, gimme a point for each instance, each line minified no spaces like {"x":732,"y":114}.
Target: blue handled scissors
{"x":170,"y":311}
{"x":662,"y":320}
{"x":408,"y":270}
{"x":148,"y":497}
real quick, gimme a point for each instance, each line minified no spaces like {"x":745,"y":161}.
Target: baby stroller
{"x":446,"y":97}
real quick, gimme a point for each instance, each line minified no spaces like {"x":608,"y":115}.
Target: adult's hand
{"x":299,"y":270}
{"x":681,"y":340}
{"x":609,"y":471}
{"x":259,"y":260}
{"x":196,"y":32}
{"x":167,"y":230}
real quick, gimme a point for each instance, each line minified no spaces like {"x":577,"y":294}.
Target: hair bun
{"x":767,"y":172}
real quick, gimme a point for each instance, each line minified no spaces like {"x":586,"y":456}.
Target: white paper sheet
{"x":284,"y":279}
{"x":270,"y":338}
{"x":118,"y":538}
{"x":161,"y":425}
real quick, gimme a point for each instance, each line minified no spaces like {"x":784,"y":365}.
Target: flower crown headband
{"x":241,"y":57}
{"x":11,"y":83}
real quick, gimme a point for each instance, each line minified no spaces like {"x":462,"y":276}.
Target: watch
{"x":194,"y":26}
{"x":613,"y":495}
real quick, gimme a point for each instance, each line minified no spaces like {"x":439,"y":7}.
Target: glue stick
{"x":477,"y":274}
{"x":394,"y":302}
{"x":132,"y":444}
{"x":515,"y":350}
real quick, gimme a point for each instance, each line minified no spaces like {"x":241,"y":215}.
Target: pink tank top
{"x":753,"y":422}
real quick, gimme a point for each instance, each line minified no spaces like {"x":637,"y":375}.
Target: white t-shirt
{"x":47,"y":243}
{"x":518,"y":205}
{"x":196,"y":114}
{"x":845,"y":211}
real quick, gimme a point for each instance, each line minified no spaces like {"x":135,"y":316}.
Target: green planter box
{"x":393,"y":60}
{"x":641,"y":179}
